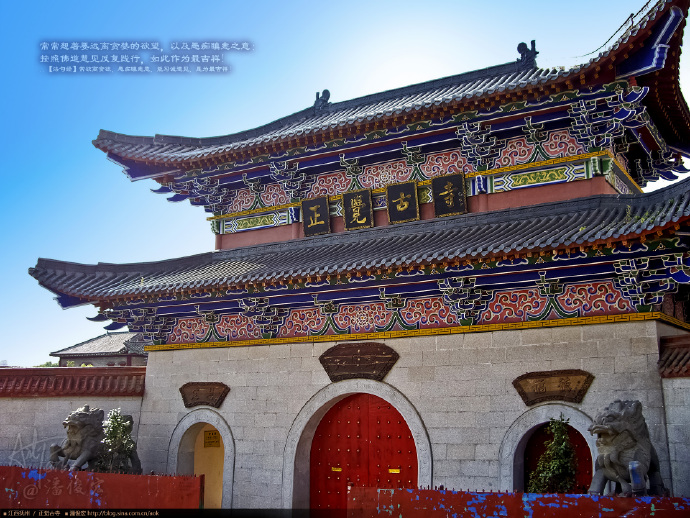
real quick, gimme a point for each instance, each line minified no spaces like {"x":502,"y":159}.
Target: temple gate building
{"x":406,"y":286}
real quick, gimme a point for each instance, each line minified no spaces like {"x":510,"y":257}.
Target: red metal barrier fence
{"x":365,"y":502}
{"x":27,"y":488}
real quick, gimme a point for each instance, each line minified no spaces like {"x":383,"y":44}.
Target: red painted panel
{"x":536,"y":446}
{"x":27,"y":488}
{"x":365,"y":502}
{"x":362,"y":440}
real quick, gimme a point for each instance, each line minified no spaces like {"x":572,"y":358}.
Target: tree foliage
{"x":48,"y":364}
{"x":557,"y":467}
{"x":118,"y":445}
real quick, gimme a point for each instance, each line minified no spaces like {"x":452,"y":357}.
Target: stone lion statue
{"x":83,"y":444}
{"x":626,"y":455}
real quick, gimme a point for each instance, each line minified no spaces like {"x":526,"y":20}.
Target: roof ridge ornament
{"x":321,"y":101}
{"x":528,"y":57}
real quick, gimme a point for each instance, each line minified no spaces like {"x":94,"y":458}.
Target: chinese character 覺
{"x":449,"y":195}
{"x":315,"y":216}
{"x":402,"y":203}
{"x":357,"y":210}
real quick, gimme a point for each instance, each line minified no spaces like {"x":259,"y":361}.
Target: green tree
{"x":557,"y":467}
{"x":119,"y":450}
{"x":48,"y":364}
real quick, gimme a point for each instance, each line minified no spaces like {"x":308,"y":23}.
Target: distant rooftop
{"x":104,"y":345}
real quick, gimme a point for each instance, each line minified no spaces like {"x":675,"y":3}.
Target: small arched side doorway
{"x":202,"y":453}
{"x":202,"y":443}
{"x":536,"y":446}
{"x":361,"y":441}
{"x":512,"y":451}
{"x":208,"y":461}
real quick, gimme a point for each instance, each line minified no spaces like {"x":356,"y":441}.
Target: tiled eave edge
{"x":536,"y":93}
{"x":72,"y":381}
{"x":661,"y":232}
{"x":482,"y":328}
{"x":89,"y":355}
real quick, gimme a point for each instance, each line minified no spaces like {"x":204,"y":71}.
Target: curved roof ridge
{"x":323,"y":115}
{"x":510,"y":69}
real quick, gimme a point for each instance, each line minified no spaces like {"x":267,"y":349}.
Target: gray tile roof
{"x":540,"y":227}
{"x":107,"y":344}
{"x":72,"y":382}
{"x":365,"y":109}
{"x":136,"y":344}
{"x":471,"y":85}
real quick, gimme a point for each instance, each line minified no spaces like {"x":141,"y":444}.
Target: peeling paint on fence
{"x":427,"y":503}
{"x":31,"y":488}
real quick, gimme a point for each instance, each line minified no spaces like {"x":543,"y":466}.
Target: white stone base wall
{"x":677,"y":400}
{"x":459,"y":385}
{"x":29,"y":426}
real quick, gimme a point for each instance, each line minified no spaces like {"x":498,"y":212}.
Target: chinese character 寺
{"x":448,"y":194}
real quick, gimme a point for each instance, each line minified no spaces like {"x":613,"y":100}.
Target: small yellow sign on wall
{"x":211,"y":439}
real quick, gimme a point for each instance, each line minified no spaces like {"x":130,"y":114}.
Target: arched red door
{"x":536,"y":446}
{"x":361,"y":441}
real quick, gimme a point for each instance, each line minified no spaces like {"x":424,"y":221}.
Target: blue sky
{"x":63,"y":199}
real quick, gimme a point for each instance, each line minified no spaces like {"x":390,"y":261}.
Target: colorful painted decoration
{"x":357,"y":210}
{"x":316,"y":218}
{"x":403,"y":204}
{"x":449,"y":195}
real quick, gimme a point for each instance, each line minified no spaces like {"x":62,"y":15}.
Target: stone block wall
{"x":460,"y":386}
{"x":677,"y":400}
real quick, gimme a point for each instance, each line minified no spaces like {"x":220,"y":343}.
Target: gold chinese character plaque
{"x":402,"y":203}
{"x":449,"y":195}
{"x":316,"y":218}
{"x":357,"y":210}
